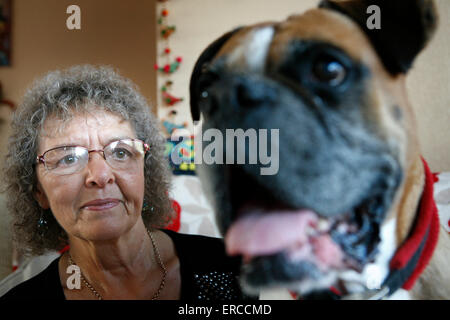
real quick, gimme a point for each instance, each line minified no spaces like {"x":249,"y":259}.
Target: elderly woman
{"x":85,"y":168}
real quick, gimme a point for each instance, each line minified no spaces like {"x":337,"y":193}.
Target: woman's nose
{"x":99,"y":172}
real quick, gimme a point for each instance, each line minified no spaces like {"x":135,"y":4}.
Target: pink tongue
{"x":264,"y":234}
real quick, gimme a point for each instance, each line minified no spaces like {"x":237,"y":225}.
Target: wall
{"x":113,"y":32}
{"x":429,"y":93}
{"x":199,"y":22}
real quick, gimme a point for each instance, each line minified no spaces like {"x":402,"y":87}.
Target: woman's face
{"x":98,"y":202}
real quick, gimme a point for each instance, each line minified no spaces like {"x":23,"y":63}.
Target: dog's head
{"x":331,"y":81}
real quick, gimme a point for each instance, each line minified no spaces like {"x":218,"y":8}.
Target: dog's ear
{"x":206,"y":56}
{"x":405,"y":27}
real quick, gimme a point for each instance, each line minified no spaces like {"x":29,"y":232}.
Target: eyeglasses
{"x":123,"y":154}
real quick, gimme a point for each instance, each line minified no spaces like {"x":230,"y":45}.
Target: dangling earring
{"x":42,"y":223}
{"x":146,"y":207}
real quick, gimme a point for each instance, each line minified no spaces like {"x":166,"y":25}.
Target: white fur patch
{"x":375,"y":273}
{"x":254,"y":49}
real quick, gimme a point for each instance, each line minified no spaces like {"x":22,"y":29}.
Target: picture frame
{"x":5,"y":32}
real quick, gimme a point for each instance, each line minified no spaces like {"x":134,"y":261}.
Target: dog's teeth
{"x":323,"y":225}
{"x":342,"y":228}
{"x":311,"y":232}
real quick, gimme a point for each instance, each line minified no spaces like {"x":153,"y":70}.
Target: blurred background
{"x":155,"y":44}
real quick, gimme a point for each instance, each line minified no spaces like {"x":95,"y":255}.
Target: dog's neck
{"x":408,"y":204}
{"x":434,"y":282}
{"x":415,"y":252}
{"x":408,"y":239}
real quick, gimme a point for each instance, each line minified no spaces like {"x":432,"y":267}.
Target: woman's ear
{"x":41,"y":197}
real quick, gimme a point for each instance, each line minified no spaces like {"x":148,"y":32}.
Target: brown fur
{"x":325,"y":25}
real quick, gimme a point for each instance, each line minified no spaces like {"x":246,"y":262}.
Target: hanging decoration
{"x":169,"y":68}
{"x":169,"y":99}
{"x":168,"y":64}
{"x":171,"y":65}
{"x":167,"y":31}
{"x":181,"y":149}
{"x":170,"y":126}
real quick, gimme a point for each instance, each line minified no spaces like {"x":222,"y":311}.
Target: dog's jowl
{"x":351,"y":206}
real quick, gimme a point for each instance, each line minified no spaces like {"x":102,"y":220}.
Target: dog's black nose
{"x":251,"y":93}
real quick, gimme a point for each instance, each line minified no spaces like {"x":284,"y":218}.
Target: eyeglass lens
{"x":121,"y":155}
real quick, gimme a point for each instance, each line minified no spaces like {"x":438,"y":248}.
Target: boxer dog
{"x":350,"y":213}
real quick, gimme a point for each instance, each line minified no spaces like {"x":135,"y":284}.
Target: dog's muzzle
{"x":322,"y":211}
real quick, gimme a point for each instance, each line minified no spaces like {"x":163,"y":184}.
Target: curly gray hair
{"x":61,"y":95}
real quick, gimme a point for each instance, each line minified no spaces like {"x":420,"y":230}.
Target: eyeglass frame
{"x":40,"y":159}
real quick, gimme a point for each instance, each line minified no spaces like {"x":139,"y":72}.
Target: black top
{"x":207,"y":273}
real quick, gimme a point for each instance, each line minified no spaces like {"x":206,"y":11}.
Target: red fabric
{"x":435,"y":176}
{"x":293,"y":295}
{"x":427,"y":219}
{"x":175,"y":223}
{"x":335,"y":291}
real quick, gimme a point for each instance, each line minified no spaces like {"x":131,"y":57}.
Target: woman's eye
{"x":327,"y":69}
{"x":67,"y":161}
{"x":121,"y":154}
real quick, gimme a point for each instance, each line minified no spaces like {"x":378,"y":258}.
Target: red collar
{"x":414,"y":254}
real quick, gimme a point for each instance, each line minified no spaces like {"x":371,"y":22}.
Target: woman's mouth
{"x":101,"y":204}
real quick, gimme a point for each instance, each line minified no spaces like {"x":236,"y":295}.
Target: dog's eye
{"x":328,"y":70}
